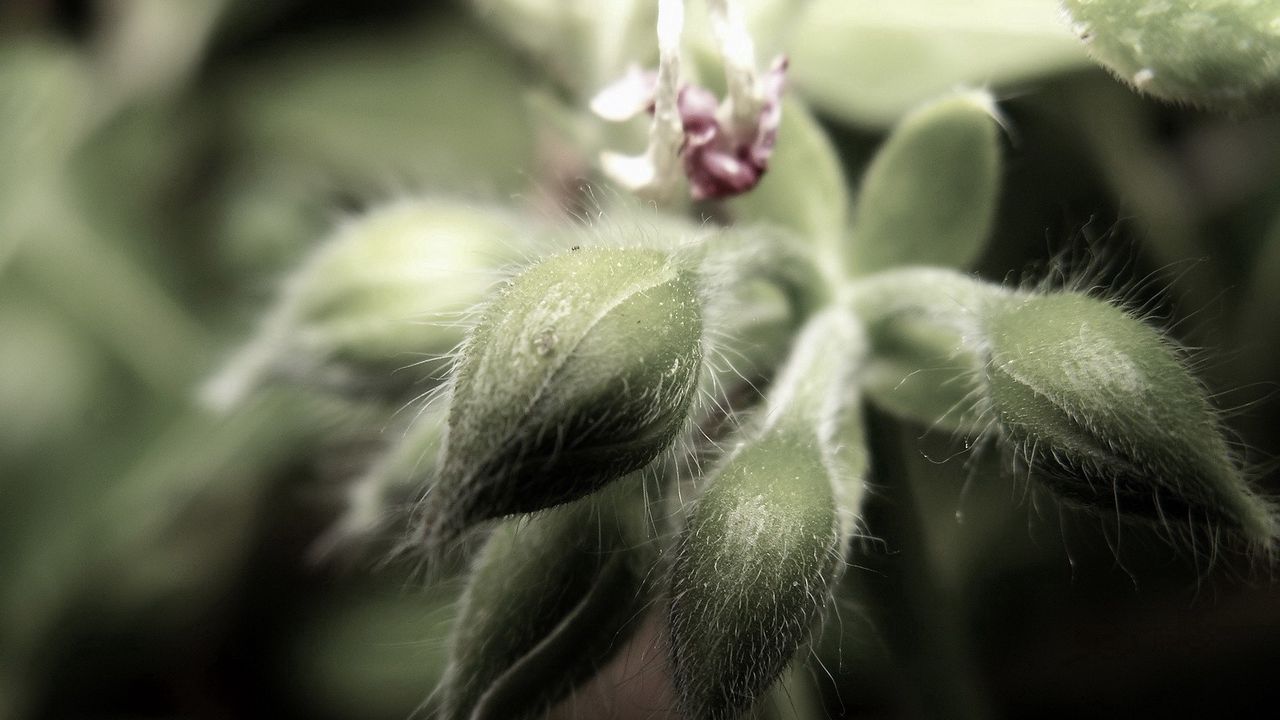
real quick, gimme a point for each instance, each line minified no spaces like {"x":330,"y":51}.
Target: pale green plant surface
{"x":1215,"y":53}
{"x":354,"y":364}
{"x":872,"y":62}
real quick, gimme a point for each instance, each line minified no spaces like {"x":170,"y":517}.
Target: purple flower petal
{"x":719,"y":161}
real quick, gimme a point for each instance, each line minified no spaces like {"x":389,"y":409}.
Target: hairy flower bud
{"x":757,"y":564}
{"x":385,"y":292}
{"x":1107,"y":413}
{"x":579,"y":372}
{"x":550,"y":598}
{"x":1214,"y":53}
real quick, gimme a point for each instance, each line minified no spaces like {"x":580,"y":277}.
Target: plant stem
{"x":918,"y":619}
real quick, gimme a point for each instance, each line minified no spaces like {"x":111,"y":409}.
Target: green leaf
{"x":44,"y":98}
{"x":49,"y":376}
{"x":929,"y":196}
{"x":584,"y":46}
{"x":368,"y":655}
{"x":871,"y":61}
{"x":1220,"y":54}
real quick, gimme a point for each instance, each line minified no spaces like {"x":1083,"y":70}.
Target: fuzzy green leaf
{"x":1221,"y":54}
{"x":929,"y":196}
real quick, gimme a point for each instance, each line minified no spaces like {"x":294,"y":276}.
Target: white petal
{"x":627,"y":97}
{"x":632,"y":171}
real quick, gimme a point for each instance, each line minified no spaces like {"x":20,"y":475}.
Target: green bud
{"x":755,"y":571}
{"x":386,"y":292}
{"x":580,"y":371}
{"x":1220,"y":54}
{"x":929,"y":196}
{"x":758,"y":561}
{"x":1105,"y":410}
{"x":550,"y":598}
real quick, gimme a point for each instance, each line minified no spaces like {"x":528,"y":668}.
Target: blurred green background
{"x":164,"y":162}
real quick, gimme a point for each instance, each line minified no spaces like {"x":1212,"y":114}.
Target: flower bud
{"x":758,"y":561}
{"x":579,"y":372}
{"x":754,"y":572}
{"x":1103,"y":408}
{"x":384,"y":293}
{"x":1219,"y":55}
{"x":550,"y":598}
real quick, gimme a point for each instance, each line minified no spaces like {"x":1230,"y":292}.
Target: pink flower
{"x":720,"y":157}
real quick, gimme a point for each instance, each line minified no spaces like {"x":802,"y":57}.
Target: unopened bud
{"x":757,"y":564}
{"x":550,"y":598}
{"x":1103,"y":408}
{"x":386,"y":292}
{"x":581,"y":371}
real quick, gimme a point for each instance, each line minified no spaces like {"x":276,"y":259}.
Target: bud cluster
{"x":676,"y":422}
